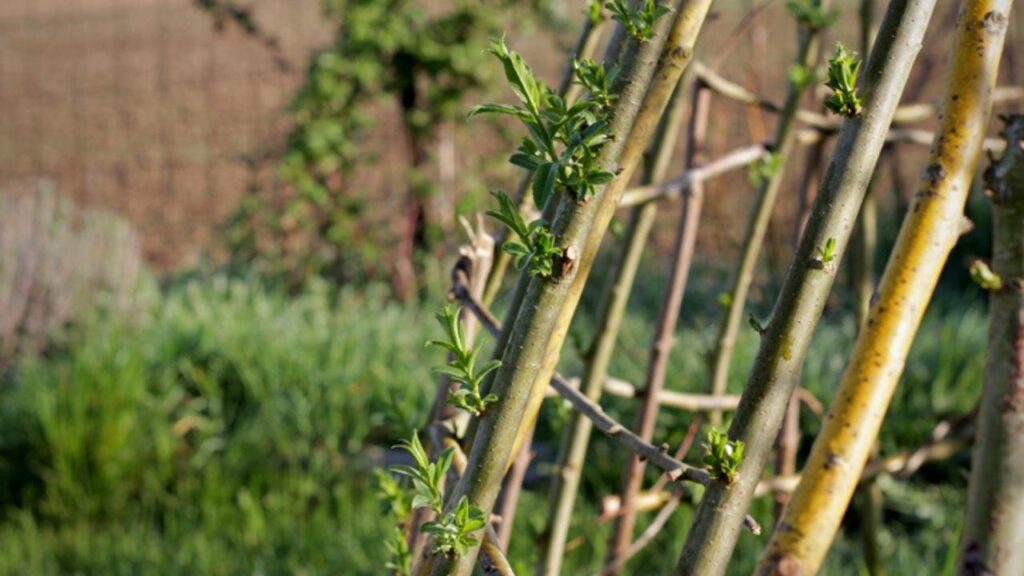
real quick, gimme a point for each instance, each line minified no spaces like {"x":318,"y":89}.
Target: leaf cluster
{"x":563,"y":140}
{"x":763,"y":169}
{"x":595,"y":11}
{"x":842,"y":79}
{"x":829,"y":252}
{"x":811,"y":14}
{"x":801,"y":76}
{"x":722,"y":457}
{"x":462,"y":366}
{"x":985,"y":277}
{"x":638,"y":21}
{"x":452,"y":531}
{"x":426,"y":476}
{"x":536,"y":249}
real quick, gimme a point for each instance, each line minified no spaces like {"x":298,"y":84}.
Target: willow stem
{"x":757,"y":228}
{"x":994,"y":528}
{"x":663,"y":337}
{"x":927,"y":236}
{"x":586,"y":47}
{"x":786,"y":340}
{"x":869,"y":494}
{"x":539,"y":328}
{"x":576,"y":437}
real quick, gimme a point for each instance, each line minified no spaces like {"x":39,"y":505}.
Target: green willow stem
{"x":662,"y":340}
{"x":689,"y":19}
{"x":994,"y":529}
{"x":787,"y":337}
{"x":757,"y":228}
{"x":537,"y":327}
{"x":576,"y":436}
{"x":928,"y":234}
{"x":586,"y":47}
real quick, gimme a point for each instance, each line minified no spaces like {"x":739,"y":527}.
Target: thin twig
{"x":663,"y":515}
{"x":673,"y":468}
{"x":664,"y":332}
{"x":672,"y":189}
{"x":901,"y":136}
{"x":900,"y":465}
{"x":905,"y":114}
{"x":469,"y":273}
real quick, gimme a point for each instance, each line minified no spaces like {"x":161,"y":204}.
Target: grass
{"x":230,"y":429}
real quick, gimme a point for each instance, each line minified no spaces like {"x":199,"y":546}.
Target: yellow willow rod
{"x":928,"y":234}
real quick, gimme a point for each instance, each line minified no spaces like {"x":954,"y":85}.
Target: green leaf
{"x":500,"y":109}
{"x":515,"y":248}
{"x":544,"y":183}
{"x":519,"y":76}
{"x":452,"y":372}
{"x":600,"y":178}
{"x":444,"y":461}
{"x":489,"y":367}
{"x":508,"y":214}
{"x":421,"y":501}
{"x":527,"y":161}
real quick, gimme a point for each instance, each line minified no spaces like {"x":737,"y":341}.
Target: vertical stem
{"x":471,"y":270}
{"x":661,"y":344}
{"x":508,"y":501}
{"x":757,"y":227}
{"x":689,"y":19}
{"x":787,"y":337}
{"x":808,"y":186}
{"x":789,"y":435}
{"x":869,"y":493}
{"x":994,"y":530}
{"x":926,"y":238}
{"x":785,"y":454}
{"x":573,"y":448}
{"x":649,"y":76}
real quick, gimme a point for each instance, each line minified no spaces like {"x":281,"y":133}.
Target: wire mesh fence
{"x":145,"y":107}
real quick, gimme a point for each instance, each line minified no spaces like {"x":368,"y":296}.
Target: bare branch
{"x":672,"y":189}
{"x":673,"y":468}
{"x":905,"y":114}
